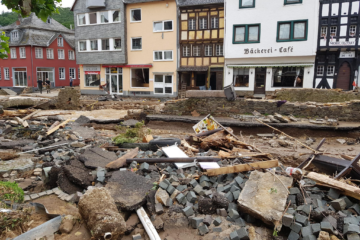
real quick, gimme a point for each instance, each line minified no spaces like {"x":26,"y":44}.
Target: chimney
{"x":17,"y":22}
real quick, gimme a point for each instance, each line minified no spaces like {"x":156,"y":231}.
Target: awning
{"x":92,"y":72}
{"x":273,"y":65}
{"x":129,"y":66}
{"x":193,"y":69}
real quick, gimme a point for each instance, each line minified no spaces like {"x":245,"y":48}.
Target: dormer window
{"x":14,"y":36}
{"x":48,"y":20}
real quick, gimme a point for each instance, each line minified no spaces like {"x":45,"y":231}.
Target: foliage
{"x":11,"y":192}
{"x":14,"y":219}
{"x":4,"y":45}
{"x":42,"y":8}
{"x":131,"y":135}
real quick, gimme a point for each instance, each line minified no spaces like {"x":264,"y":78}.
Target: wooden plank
{"x":57,"y":127}
{"x":345,"y":188}
{"x":118,"y":163}
{"x":242,"y":167}
{"x":32,"y":114}
{"x":22,"y":122}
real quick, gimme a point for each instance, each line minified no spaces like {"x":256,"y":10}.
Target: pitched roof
{"x":184,"y":3}
{"x":34,"y":22}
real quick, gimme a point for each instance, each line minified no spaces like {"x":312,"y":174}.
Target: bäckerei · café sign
{"x":268,"y":50}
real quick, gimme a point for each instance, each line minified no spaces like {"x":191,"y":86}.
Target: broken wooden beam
{"x":173,"y":160}
{"x":346,"y":189}
{"x":22,"y":122}
{"x":242,"y":167}
{"x":30,"y":115}
{"x":118,"y":163}
{"x":57,"y":127}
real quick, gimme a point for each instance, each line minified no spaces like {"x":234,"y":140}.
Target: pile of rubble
{"x":213,"y":184}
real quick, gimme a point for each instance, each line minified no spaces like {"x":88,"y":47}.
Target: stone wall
{"x":347,"y":111}
{"x":316,"y":95}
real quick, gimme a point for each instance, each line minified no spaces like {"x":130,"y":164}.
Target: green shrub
{"x":10,"y":191}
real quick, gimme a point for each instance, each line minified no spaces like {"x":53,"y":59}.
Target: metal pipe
{"x":38,"y":149}
{"x":149,"y":227}
{"x":173,"y":160}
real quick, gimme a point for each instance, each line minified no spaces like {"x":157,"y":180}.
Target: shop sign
{"x":92,"y":72}
{"x":343,"y":43}
{"x":268,"y":50}
{"x":92,"y":68}
{"x":347,"y":54}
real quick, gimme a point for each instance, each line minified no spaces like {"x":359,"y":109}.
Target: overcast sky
{"x":65,"y":3}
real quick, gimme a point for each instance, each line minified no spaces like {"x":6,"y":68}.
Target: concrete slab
{"x":66,"y":185}
{"x":96,"y":157}
{"x":77,"y":173}
{"x":128,"y":189}
{"x":256,"y":199}
{"x":20,"y":165}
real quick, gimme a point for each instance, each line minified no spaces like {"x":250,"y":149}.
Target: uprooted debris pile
{"x":213,"y":184}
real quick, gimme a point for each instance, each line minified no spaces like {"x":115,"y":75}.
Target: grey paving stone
{"x":351,"y":228}
{"x":316,"y":228}
{"x":293,"y":236}
{"x":234,"y":214}
{"x":34,"y":196}
{"x":195,"y":222}
{"x":306,"y":231}
{"x":217,"y":229}
{"x":203,"y":229}
{"x":243,"y":234}
{"x":26,"y":198}
{"x":338,"y":204}
{"x":217,"y":221}
{"x":188,"y":211}
{"x":234,"y":236}
{"x":296,"y":227}
{"x":49,"y":192}
{"x":287,"y":219}
{"x":303,"y":220}
{"x":326,"y":226}
{"x":42,"y":194}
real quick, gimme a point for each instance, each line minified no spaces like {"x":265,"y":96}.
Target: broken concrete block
{"x":128,"y":189}
{"x":195,"y":222}
{"x":161,"y":196}
{"x":159,"y":208}
{"x":256,"y":199}
{"x":338,"y":204}
{"x":351,"y":228}
{"x":97,"y":204}
{"x":287,"y":220}
{"x":96,"y":157}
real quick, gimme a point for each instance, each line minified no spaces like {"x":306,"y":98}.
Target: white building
{"x":270,"y":44}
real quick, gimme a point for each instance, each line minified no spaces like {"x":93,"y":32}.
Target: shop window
{"x":320,"y":70}
{"x":93,"y":18}
{"x":241,"y":77}
{"x":136,"y":44}
{"x":192,"y":24}
{"x":140,"y":77}
{"x":292,"y":31}
{"x":288,"y":77}
{"x":247,"y":3}
{"x":246,"y":34}
{"x":92,"y":80}
{"x":114,"y":79}
{"x":330,"y":70}
{"x":135,"y":15}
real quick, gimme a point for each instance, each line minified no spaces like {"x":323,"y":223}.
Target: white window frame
{"x":132,"y":49}
{"x":164,"y":84}
{"x":214,"y":21}
{"x":193,"y":24}
{"x":41,"y":53}
{"x":6,"y":73}
{"x":60,"y":41}
{"x":86,"y":44}
{"x":22,"y":52}
{"x":62,"y":76}
{"x":163,"y":56}
{"x":49,"y":50}
{"x":163,"y":26}
{"x":202,"y":22}
{"x":13,"y":53}
{"x":323,"y":31}
{"x":333,"y":33}
{"x":63,"y":54}
{"x":140,"y":15}
{"x":99,"y":17}
{"x":207,"y":49}
{"x":197,"y":53}
{"x":320,"y":70}
{"x":72,"y":69}
{"x":112,"y":17}
{"x":186,"y":49}
{"x":219,"y":50}
{"x":330,"y":70}
{"x":14,"y":36}
{"x":78,"y":19}
{"x":71,"y":54}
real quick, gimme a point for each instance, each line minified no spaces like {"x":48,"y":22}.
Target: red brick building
{"x":38,"y":50}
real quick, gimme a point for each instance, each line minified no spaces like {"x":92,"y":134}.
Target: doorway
{"x":20,"y":77}
{"x":260,"y":80}
{"x":213,"y":81}
{"x":344,"y":75}
{"x":114,"y":77}
{"x":44,"y":73}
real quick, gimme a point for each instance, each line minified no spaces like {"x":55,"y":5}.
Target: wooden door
{"x":219,"y":80}
{"x":260,"y":78}
{"x":343,"y":79}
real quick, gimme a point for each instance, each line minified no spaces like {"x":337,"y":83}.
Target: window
{"x":61,"y":54}
{"x":186,"y":51}
{"x":13,"y":52}
{"x":38,"y":53}
{"x":247,"y":3}
{"x":214,"y":22}
{"x":62,"y":73}
{"x":334,"y":21}
{"x":196,"y":51}
{"x":208,"y":50}
{"x":71,"y":55}
{"x":292,"y":1}
{"x":116,"y":15}
{"x":320,"y":70}
{"x":117,"y":44}
{"x":82,"y":45}
{"x":246,"y":34}
{"x":163,"y":26}
{"x":105,"y":44}
{"x":60,"y":42}
{"x":163,"y":84}
{"x":219,"y":50}
{"x":49,"y":53}
{"x":323,"y":32}
{"x":7,"y":73}
{"x":93,"y":18}
{"x":163,"y":55}
{"x":92,"y":80}
{"x":48,"y":20}
{"x":331,"y":58}
{"x":94,"y":45}
{"x":353,"y":19}
{"x":78,"y":73}
{"x":352,"y":30}
{"x":330,"y":70}
{"x":22,"y":52}
{"x":72,"y":73}
{"x":241,"y":77}
{"x":135,"y":15}
{"x":14,"y":36}
{"x":192,"y":24}
{"x":0,"y":74}
{"x":115,"y":79}
{"x":81,"y":19}
{"x":292,"y":31}
{"x":140,"y":77}
{"x":104,"y":17}
{"x":203,"y":23}
{"x":288,"y":76}
{"x":324,"y":21}
{"x":136,"y":44}
{"x":333,"y":31}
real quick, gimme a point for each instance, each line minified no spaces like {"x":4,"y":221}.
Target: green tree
{"x":42,"y":8}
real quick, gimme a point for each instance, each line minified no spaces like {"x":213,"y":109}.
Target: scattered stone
{"x":217,"y":221}
{"x":131,"y":223}
{"x":324,"y":236}
{"x":208,"y":220}
{"x":188,"y":211}
{"x":159,"y":208}
{"x":67,"y":224}
{"x":195,"y":222}
{"x":339,"y":204}
{"x":161,"y":196}
{"x":203,"y":229}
